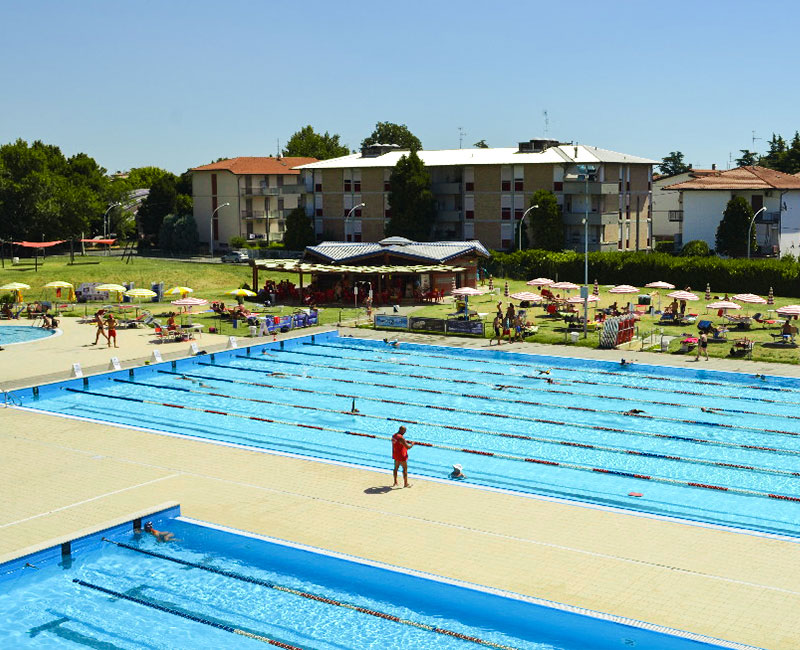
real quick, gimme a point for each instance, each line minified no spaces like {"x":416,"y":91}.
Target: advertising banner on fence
{"x":384,"y":321}
{"x":471,"y":327}
{"x":427,"y":324}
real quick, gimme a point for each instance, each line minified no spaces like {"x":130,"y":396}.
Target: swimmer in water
{"x":160,"y":535}
{"x":395,"y":343}
{"x":761,"y":377}
{"x":633,"y":412}
{"x":624,"y":362}
{"x":706,"y":409}
{"x":545,"y":372}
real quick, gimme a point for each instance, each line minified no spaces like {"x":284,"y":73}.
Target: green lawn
{"x":212,"y":280}
{"x":552,"y":330}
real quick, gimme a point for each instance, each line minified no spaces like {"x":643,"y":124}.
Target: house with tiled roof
{"x":773,"y":195}
{"x":667,"y":206}
{"x":248,"y":197}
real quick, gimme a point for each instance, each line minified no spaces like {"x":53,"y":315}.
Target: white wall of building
{"x":790,"y":224}
{"x":228,"y":216}
{"x":702,"y":212}
{"x":663,"y":202}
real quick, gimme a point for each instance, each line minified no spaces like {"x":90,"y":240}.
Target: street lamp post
{"x":105,"y":224}
{"x":350,"y":214}
{"x":521,"y":221}
{"x":211,"y":228}
{"x":750,"y":228}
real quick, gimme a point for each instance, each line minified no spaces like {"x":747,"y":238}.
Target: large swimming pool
{"x":702,"y":445}
{"x":212,"y":588}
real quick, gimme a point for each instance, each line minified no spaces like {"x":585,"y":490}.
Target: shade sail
{"x":38,"y":244}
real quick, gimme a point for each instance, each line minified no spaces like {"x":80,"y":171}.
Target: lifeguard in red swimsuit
{"x":400,"y":447}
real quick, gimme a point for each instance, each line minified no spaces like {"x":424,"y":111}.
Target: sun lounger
{"x":742,"y":347}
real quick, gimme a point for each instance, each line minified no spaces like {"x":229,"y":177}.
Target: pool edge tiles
{"x":548,"y":605}
{"x":54,"y":549}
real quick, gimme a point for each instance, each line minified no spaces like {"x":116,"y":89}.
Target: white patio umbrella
{"x":539,"y":282}
{"x":466,"y":292}
{"x":16,"y":287}
{"x":189,"y":302}
{"x":659,"y":284}
{"x":564,"y":286}
{"x":682,"y":295}
{"x":750,"y":297}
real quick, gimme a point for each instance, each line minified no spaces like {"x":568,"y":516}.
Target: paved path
{"x":59,"y":476}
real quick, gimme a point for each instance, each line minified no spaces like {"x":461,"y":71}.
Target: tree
{"x":673,"y":164}
{"x":747,"y":159}
{"x":390,"y":133}
{"x":161,"y":201}
{"x":306,"y":143}
{"x":299,"y":230}
{"x":481,"y":144}
{"x":412,"y":202}
{"x":775,"y":157}
{"x":732,"y":230}
{"x":544,"y":223}
{"x":695,"y":248}
{"x":178,"y":234}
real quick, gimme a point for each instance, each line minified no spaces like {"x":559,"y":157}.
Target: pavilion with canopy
{"x":392,"y":269}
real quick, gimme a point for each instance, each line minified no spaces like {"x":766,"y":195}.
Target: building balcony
{"x":448,"y":215}
{"x":595,"y":218}
{"x":446,"y":188}
{"x":593,"y":187}
{"x":283,"y":190}
{"x":675,"y":215}
{"x":769,"y":217}
{"x":254,"y":214}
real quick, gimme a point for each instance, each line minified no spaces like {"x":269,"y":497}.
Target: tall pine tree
{"x":732,"y":230}
{"x":411,"y":200}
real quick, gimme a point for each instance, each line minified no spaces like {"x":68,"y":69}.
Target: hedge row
{"x":724,"y":275}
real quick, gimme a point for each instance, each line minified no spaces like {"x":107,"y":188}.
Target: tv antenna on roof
{"x":546,"y":123}
{"x":461,"y":134}
{"x":754,"y":138}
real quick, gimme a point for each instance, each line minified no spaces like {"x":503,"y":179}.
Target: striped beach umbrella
{"x":789,"y":310}
{"x":491,"y":283}
{"x":140,"y":293}
{"x":708,"y":291}
{"x":505,"y":290}
{"x":770,"y":297}
{"x":596,"y":289}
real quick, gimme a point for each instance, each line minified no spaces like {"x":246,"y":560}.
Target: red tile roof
{"x":741,"y":178}
{"x":257,"y":165}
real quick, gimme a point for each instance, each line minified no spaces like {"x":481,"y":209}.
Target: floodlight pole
{"x":106,"y":225}
{"x":211,"y":228}
{"x":521,"y":221}
{"x":750,"y":228}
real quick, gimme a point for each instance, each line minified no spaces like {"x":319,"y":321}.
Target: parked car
{"x":235,"y":256}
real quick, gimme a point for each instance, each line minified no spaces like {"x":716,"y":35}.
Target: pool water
{"x":702,"y":445}
{"x":211,"y":588}
{"x":11,"y":334}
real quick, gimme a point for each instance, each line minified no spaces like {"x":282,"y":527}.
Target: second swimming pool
{"x":702,"y":445}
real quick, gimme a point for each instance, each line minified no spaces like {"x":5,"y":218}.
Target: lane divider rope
{"x":721,"y":425}
{"x":516,"y":436}
{"x":377,"y":348}
{"x":375,"y":436}
{"x":186,"y":615}
{"x":576,"y":381}
{"x":312,"y":596}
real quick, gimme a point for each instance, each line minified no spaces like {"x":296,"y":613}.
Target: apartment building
{"x":259,"y":193}
{"x":483,"y":193}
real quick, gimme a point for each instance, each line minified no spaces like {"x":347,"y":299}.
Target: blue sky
{"x":177,"y":84}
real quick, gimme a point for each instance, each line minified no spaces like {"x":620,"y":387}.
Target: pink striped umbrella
{"x":789,"y":310}
{"x":659,"y":285}
{"x":539,"y":282}
{"x":577,"y":300}
{"x":564,"y":286}
{"x":723,"y":304}
{"x":623,"y":288}
{"x":189,"y":302}
{"x":750,"y":297}
{"x":708,"y":291}
{"x":770,"y":297}
{"x":526,"y":295}
{"x":682,"y":295}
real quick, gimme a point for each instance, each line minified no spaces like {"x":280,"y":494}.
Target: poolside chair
{"x":718,"y":335}
{"x":667,"y":319}
{"x":742,"y":348}
{"x":765,"y":322}
{"x":705,"y":326}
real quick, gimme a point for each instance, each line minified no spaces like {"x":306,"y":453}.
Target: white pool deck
{"x":59,"y":476}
